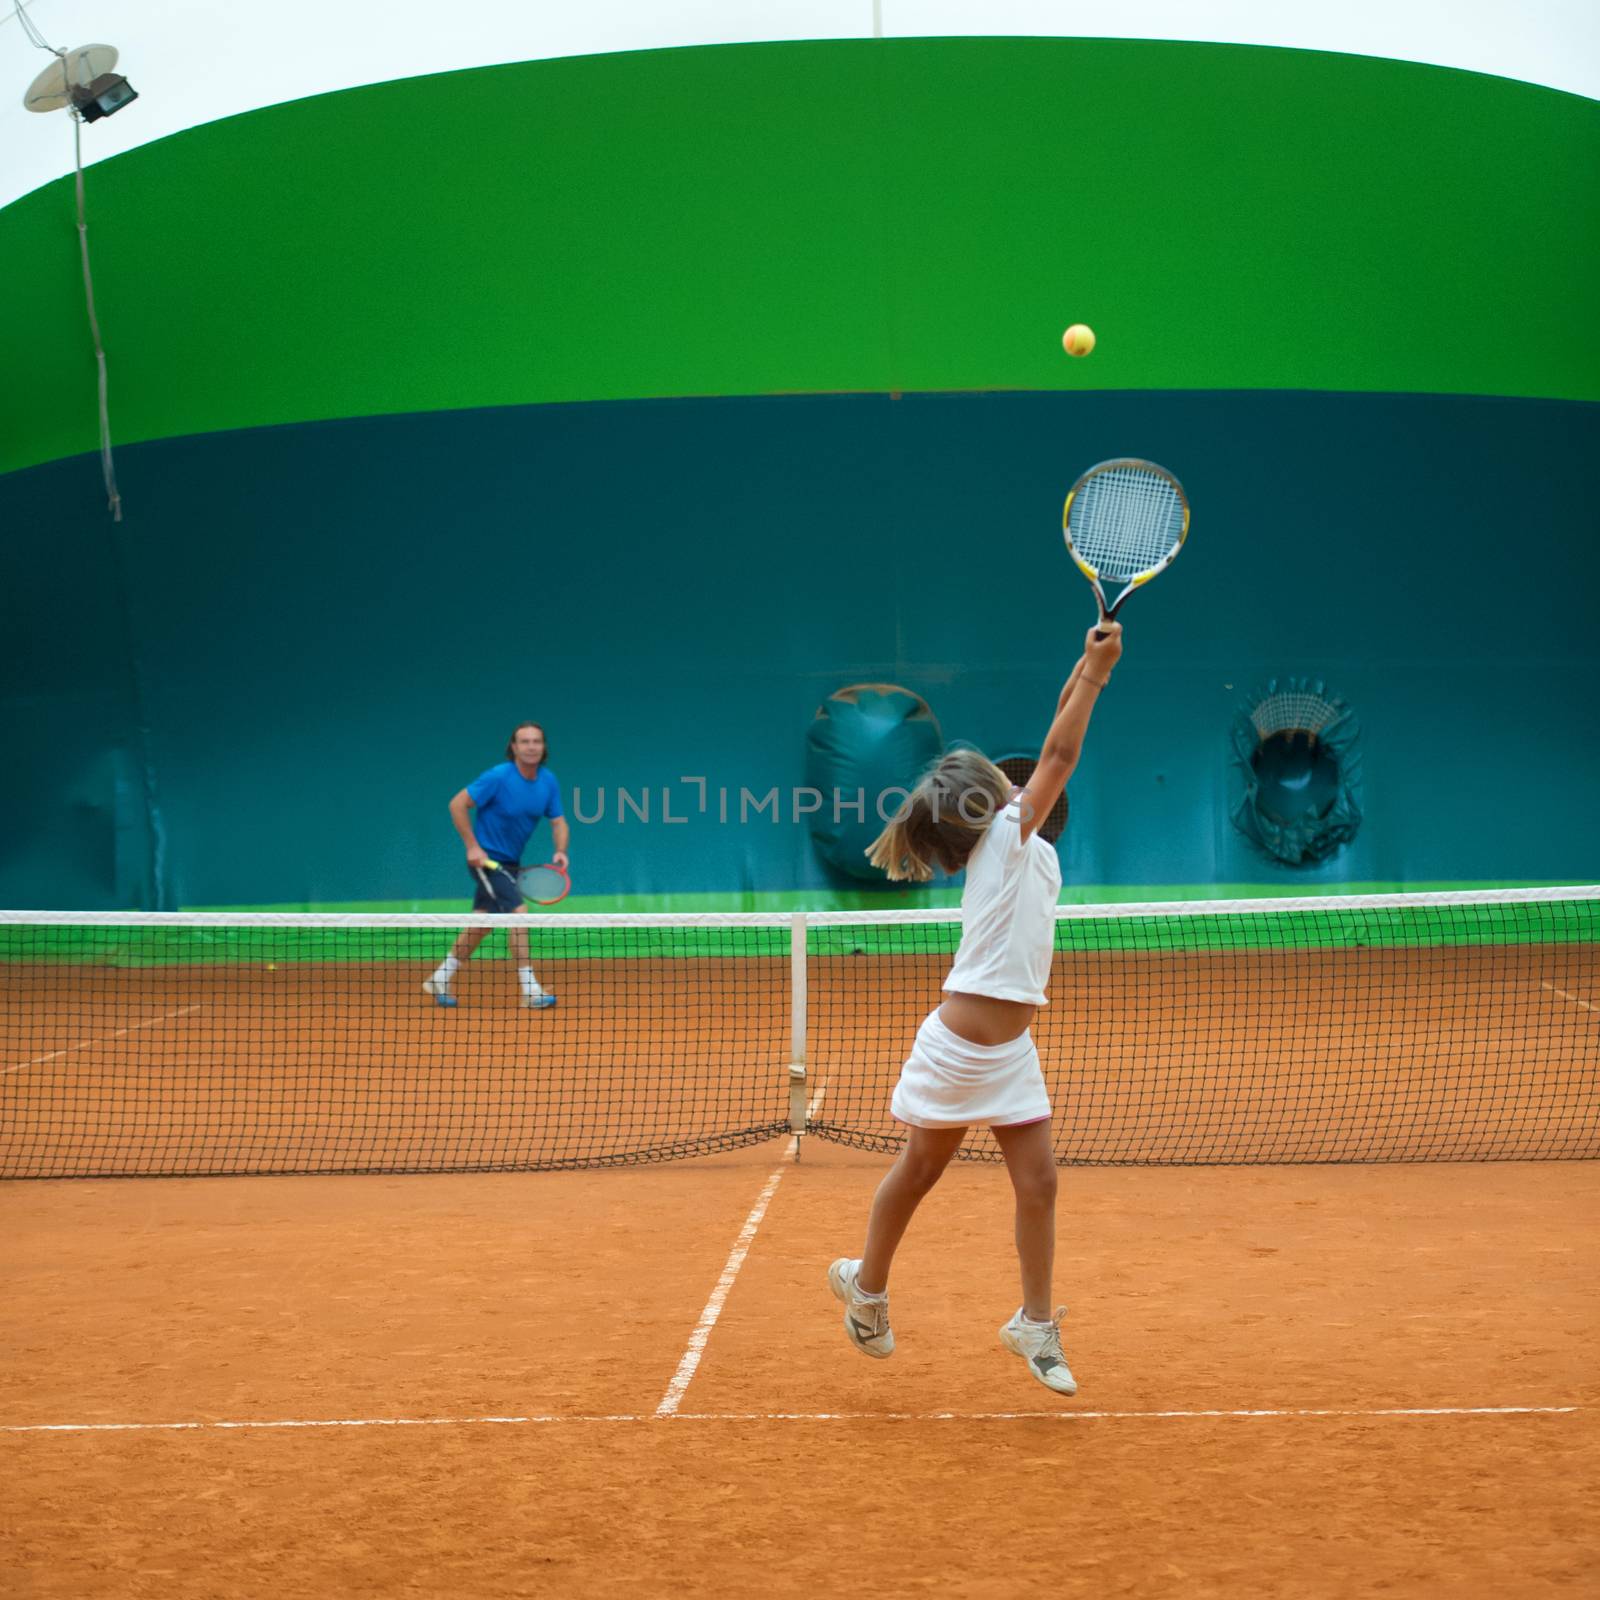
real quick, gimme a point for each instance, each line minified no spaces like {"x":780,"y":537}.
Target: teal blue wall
{"x":264,"y":686}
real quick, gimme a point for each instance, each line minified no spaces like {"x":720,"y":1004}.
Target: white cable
{"x":107,"y":466}
{"x":34,"y":36}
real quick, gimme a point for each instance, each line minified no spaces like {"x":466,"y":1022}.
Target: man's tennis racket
{"x":542,"y":886}
{"x":1125,"y":521}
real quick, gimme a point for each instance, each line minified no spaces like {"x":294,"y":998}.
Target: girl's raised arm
{"x":1063,"y":744}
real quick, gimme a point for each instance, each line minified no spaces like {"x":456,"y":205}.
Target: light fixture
{"x":83,"y":80}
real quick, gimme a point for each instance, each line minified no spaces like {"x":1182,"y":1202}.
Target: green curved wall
{"x":862,"y":215}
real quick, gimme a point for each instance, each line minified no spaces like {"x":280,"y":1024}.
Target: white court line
{"x":687,"y":1367}
{"x":788,"y":1416}
{"x":1565,"y":996}
{"x":99,"y":1038}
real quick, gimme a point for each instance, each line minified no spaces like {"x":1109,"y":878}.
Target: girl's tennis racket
{"x":1125,"y":521}
{"x":542,"y":886}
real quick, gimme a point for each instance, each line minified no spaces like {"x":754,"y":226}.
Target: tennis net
{"x":1382,"y":1028}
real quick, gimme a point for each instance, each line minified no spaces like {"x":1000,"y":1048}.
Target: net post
{"x":797,"y":1028}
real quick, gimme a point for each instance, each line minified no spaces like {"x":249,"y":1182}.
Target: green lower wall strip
{"x":259,"y":950}
{"x":776,"y":901}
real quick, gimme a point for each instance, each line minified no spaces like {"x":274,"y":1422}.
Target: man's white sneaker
{"x":1039,"y":1344}
{"x":866,"y":1320}
{"x":440,"y":992}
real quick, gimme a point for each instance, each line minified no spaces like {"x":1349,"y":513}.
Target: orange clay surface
{"x":573,"y":1296}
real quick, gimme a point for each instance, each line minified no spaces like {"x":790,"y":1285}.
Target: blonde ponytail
{"x":942,"y":819}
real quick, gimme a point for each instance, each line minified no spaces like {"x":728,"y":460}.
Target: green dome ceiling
{"x":851,"y":215}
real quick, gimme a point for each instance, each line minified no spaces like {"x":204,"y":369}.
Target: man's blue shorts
{"x":506,"y":897}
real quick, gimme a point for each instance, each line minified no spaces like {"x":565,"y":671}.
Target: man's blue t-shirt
{"x":509,"y":807}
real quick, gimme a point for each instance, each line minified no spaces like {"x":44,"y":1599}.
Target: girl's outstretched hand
{"x":1101,"y":655}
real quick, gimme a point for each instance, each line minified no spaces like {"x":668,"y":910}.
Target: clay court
{"x":1343,"y":1371}
{"x":1302,"y":1380}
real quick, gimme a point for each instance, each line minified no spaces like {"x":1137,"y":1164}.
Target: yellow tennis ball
{"x":272,"y":966}
{"x":1078,"y":340}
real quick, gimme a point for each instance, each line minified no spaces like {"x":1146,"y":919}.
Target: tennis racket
{"x":542,"y":886}
{"x":1125,"y":521}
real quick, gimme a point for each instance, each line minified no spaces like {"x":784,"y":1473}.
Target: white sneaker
{"x":440,"y":990}
{"x":537,"y":1002}
{"x":1039,"y":1344}
{"x":865,"y":1320}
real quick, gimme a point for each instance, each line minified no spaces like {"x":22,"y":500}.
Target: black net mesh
{"x":1388,"y":1029}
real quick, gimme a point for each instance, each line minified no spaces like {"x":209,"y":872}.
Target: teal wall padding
{"x":865,"y":749}
{"x":873,"y":215}
{"x":1304,"y":804}
{"x":335,"y":625}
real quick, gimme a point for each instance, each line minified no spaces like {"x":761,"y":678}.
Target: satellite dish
{"x":53,"y":88}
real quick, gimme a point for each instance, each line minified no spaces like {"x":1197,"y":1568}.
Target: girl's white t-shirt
{"x":1008,"y":914}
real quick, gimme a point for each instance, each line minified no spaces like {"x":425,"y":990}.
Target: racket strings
{"x":544,"y":884}
{"x":1126,"y":520}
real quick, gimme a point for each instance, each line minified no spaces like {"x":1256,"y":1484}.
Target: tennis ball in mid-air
{"x":1078,"y":340}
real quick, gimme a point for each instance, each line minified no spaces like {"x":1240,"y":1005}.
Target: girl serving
{"x":974,"y":1064}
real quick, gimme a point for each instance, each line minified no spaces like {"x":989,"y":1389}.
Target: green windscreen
{"x":251,"y":942}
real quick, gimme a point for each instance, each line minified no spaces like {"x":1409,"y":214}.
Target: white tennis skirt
{"x":950,"y":1082}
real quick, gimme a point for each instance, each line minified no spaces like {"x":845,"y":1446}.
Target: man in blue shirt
{"x":509,"y":800}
